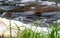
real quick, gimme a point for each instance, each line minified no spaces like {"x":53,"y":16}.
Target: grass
{"x":10,"y":29}
{"x":29,"y":33}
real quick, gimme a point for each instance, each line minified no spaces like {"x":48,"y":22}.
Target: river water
{"x":43,"y":20}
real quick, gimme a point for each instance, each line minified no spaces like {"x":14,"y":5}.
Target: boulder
{"x":4,"y":27}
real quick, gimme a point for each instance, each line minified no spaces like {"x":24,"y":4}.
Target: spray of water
{"x":3,"y":14}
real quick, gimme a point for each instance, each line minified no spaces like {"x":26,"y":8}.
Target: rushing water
{"x":47,"y":17}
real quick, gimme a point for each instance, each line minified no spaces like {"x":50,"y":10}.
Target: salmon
{"x":38,"y":8}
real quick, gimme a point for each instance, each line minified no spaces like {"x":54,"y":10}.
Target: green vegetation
{"x":29,"y":33}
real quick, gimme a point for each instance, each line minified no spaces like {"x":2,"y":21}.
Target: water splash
{"x":3,"y":14}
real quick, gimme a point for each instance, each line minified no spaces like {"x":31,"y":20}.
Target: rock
{"x":4,"y":24}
